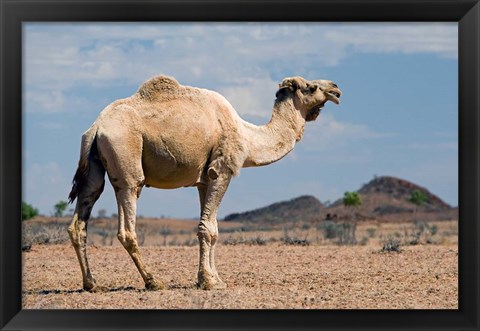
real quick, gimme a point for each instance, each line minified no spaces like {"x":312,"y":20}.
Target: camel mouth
{"x":331,"y":95}
{"x":334,"y":95}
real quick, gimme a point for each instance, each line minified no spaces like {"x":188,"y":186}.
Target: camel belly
{"x":163,"y":169}
{"x":176,"y":147}
{"x":181,"y":180}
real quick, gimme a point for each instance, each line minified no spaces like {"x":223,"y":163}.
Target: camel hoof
{"x":212,"y":285}
{"x":95,"y":289}
{"x":154,"y":286}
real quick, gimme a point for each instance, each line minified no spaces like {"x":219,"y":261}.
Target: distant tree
{"x":28,"y":211}
{"x":141,"y":234}
{"x":165,"y":232}
{"x":351,"y":200}
{"x":102,"y":213}
{"x":60,"y":208}
{"x":418,"y":198}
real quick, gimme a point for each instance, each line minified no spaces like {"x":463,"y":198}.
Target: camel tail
{"x":87,"y":150}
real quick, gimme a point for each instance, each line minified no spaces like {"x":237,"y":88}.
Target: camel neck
{"x":271,"y":142}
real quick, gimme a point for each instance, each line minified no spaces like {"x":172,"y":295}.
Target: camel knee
{"x":127,"y":239}
{"x":77,"y":233}
{"x":208,"y":232}
{"x":72,"y":233}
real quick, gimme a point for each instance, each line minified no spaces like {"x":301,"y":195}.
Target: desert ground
{"x":261,"y":270}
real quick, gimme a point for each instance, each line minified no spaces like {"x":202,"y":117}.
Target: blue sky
{"x":398,"y":116}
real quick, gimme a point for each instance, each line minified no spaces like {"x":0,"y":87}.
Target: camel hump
{"x":158,"y":86}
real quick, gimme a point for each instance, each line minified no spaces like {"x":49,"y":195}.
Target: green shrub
{"x":391,"y":245}
{"x":296,"y":241}
{"x":258,"y":240}
{"x":346,"y":233}
{"x":60,"y":208}
{"x":364,"y":241}
{"x":28,"y":211}
{"x":433,"y":229}
{"x":329,"y":229}
{"x":371,"y":232}
{"x":306,"y":226}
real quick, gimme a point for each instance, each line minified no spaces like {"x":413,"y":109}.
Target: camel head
{"x":309,"y":97}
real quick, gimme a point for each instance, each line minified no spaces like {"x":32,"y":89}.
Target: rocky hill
{"x":387,"y":198}
{"x":383,"y":199}
{"x":301,"y":208}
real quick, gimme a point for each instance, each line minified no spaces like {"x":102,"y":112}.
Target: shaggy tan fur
{"x":168,"y":135}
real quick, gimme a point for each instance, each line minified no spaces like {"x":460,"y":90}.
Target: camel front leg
{"x":202,"y":191}
{"x":210,"y":198}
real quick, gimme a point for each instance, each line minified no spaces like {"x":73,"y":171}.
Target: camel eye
{"x":312,"y":88}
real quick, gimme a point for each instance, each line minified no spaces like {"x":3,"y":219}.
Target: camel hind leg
{"x":126,"y":200}
{"x":92,"y":187}
{"x":127,"y":178}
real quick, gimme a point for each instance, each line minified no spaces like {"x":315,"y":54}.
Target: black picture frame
{"x":14,"y":13}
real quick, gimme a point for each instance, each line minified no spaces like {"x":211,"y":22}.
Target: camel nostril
{"x":334,"y":85}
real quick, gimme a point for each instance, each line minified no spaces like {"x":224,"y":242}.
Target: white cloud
{"x":253,"y":97}
{"x":63,"y":57}
{"x":46,"y":101}
{"x":408,"y":38}
{"x":40,"y":100}
{"x":327,"y":133}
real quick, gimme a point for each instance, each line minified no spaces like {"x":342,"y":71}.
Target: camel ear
{"x":287,"y":85}
{"x":291,"y":83}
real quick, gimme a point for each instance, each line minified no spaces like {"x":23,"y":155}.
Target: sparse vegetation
{"x":296,"y":241}
{"x":258,"y":240}
{"x":364,"y":241}
{"x":371,"y":232}
{"x":141,"y":234}
{"x":102,"y":232}
{"x":35,"y":234}
{"x":102,"y":213}
{"x":28,"y":211}
{"x":190,"y":242}
{"x":165,"y":231}
{"x":391,"y":245}
{"x":289,"y":239}
{"x":59,"y":208}
{"x":344,"y":232}
{"x":418,"y":198}
{"x":351,"y":200}
{"x":329,"y":229}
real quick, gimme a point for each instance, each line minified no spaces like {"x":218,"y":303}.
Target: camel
{"x":168,"y":136}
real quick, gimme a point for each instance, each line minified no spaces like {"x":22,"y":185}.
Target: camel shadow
{"x":104,"y":290}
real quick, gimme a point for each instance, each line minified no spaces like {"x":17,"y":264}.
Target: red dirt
{"x":271,"y":276}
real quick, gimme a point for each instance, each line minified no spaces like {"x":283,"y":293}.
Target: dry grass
{"x":102,"y":232}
